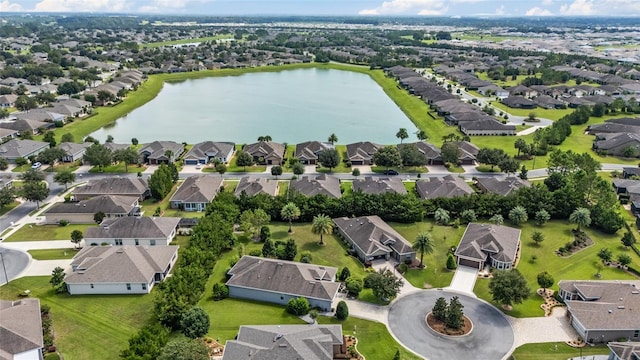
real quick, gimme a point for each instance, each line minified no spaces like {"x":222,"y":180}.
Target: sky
{"x":502,"y":8}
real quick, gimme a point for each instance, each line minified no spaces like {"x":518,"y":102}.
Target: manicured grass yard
{"x":7,"y":208}
{"x":118,"y":168}
{"x":32,"y":232}
{"x":579,"y":266}
{"x":553,"y":114}
{"x":555,"y":351}
{"x":53,"y":254}
{"x":87,"y":326}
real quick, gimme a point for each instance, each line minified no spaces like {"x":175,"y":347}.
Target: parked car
{"x":36,"y":165}
{"x":391,"y":172}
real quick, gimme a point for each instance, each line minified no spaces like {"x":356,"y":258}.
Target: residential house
{"x":467,"y":152}
{"x":196,"y":192}
{"x":521,"y":90}
{"x":8,"y":134}
{"x":16,"y":148}
{"x":22,"y":126}
{"x":602,"y":130}
{"x":85,"y":106}
{"x":320,"y":185}
{"x":547,"y":102}
{"x":486,"y":125}
{"x":21,"y":330}
{"x":370,"y":238}
{"x":628,"y":350}
{"x":309,"y":152}
{"x":379,"y":185}
{"x":266,"y":152}
{"x":251,"y":185}
{"x":502,"y":187}
{"x":361,"y":153}
{"x":518,"y":102}
{"x":73,"y":151}
{"x":493,"y":90}
{"x":628,"y":172}
{"x":82,"y":212}
{"x":113,"y":146}
{"x":133,"y":230}
{"x":309,"y":342}
{"x":42,"y":115}
{"x":626,"y":186}
{"x":8,"y":101}
{"x":119,"y":269}
{"x":161,"y":152}
{"x":432,"y":154}
{"x":488,"y":245}
{"x":207,"y":151}
{"x":618,"y":144}
{"x":603,"y":311}
{"x":137,"y":187}
{"x":278,"y":281}
{"x":448,"y":186}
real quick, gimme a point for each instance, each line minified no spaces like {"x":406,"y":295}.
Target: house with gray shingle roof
{"x":320,"y":185}
{"x":617,"y":144}
{"x":603,"y":311}
{"x":448,"y":186}
{"x":501,"y":186}
{"x":157,"y":151}
{"x":488,"y":244}
{"x":309,"y":152}
{"x":371,"y":238}
{"x":266,"y":152}
{"x":41,"y":114}
{"x":120,"y":269}
{"x":379,"y":185}
{"x":73,"y":151}
{"x":82,"y":212}
{"x":278,"y":281}
{"x":8,"y":134}
{"x":17,"y":148}
{"x":266,"y":342}
{"x":133,"y":230}
{"x":27,"y":126}
{"x":361,"y":153}
{"x":8,"y":100}
{"x":205,"y":152}
{"x":251,"y":185}
{"x":432,"y":154}
{"x":123,"y":186}
{"x":628,"y":350}
{"x":196,"y":192}
{"x":21,"y":329}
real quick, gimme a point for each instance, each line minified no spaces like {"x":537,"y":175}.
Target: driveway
{"x":492,"y":336}
{"x":13,"y":262}
{"x":464,"y":280}
{"x":544,"y":329}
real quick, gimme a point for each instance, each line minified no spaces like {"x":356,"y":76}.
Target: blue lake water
{"x":291,"y":106}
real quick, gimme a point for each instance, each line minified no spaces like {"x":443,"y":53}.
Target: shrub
{"x":265,"y":233}
{"x":195,"y":323}
{"x":451,"y":262}
{"x":255,"y":252}
{"x":402,"y":268}
{"x":299,"y":306}
{"x":306,"y":257}
{"x":342,"y":311}
{"x":220,"y":291}
{"x":21,"y":161}
{"x":63,"y":222}
{"x":354,"y":285}
{"x":345,"y":274}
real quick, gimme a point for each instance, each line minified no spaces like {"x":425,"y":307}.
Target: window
{"x":92,"y":286}
{"x":128,"y":286}
{"x":144,"y":286}
{"x":137,"y":242}
{"x":118,"y":241}
{"x":636,"y":333}
{"x":152,"y":243}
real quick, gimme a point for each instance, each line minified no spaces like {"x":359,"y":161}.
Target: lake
{"x":291,"y":106}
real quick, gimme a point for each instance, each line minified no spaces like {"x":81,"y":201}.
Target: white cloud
{"x":536,"y":11}
{"x":420,"y":7}
{"x":547,"y":2}
{"x":577,"y":8}
{"x":619,"y":7}
{"x":82,"y":5}
{"x":7,"y":6}
{"x":500,"y":11}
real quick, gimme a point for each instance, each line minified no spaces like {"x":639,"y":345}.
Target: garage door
{"x":470,"y":263}
{"x":191,"y":162}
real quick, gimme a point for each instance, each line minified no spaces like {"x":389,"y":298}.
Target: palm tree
{"x":332,"y":139}
{"x":264,"y":138}
{"x":402,"y":134}
{"x":322,"y":224}
{"x":581,"y":217}
{"x":290,"y":212}
{"x":424,"y":244}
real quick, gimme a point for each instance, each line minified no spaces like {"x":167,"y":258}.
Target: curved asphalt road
{"x":15,"y":262}
{"x":492,"y":336}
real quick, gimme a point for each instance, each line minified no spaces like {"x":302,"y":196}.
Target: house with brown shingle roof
{"x":488,"y":244}
{"x":113,"y":186}
{"x":361,"y":153}
{"x":21,"y":329}
{"x":278,"y":281}
{"x":319,"y":185}
{"x":196,"y":192}
{"x":379,"y":185}
{"x":82,"y":212}
{"x":603,"y":311}
{"x":448,"y":186}
{"x":502,"y":187}
{"x":266,"y":152}
{"x":251,"y":185}
{"x":133,"y":230}
{"x":309,"y":152}
{"x":371,"y":238}
{"x":120,"y":269}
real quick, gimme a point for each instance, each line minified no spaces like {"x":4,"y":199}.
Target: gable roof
{"x":614,"y":141}
{"x":485,"y":123}
{"x":119,"y":264}
{"x":288,"y":277}
{"x":71,"y":148}
{"x":379,"y":185}
{"x":362,"y":151}
{"x":20,"y":328}
{"x":198,"y":189}
{"x":321,"y":185}
{"x":206,"y":149}
{"x":41,"y":114}
{"x":309,"y":150}
{"x":265,"y":149}
{"x":25,"y":125}
{"x":448,"y":186}
{"x":428,"y":150}
{"x":274,"y":342}
{"x":373,"y":236}
{"x":251,"y":186}
{"x":478,"y":239}
{"x":113,"y":146}
{"x":157,"y":149}
{"x":113,"y":185}
{"x":501,"y":186}
{"x":629,"y":350}
{"x":15,"y":148}
{"x":130,"y":227}
{"x":108,"y":204}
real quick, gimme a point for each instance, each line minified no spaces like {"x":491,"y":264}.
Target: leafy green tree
{"x":509,"y":165}
{"x":384,"y":283}
{"x":57,"y":277}
{"x":147,"y":343}
{"x":354,"y":285}
{"x":541,"y":217}
{"x":402,"y":134}
{"x":332,"y":139}
{"x":537,"y":237}
{"x":64,"y":177}
{"x":581,"y":217}
{"x":322,"y":225}
{"x":185,"y":349}
{"x":67,"y":137}
{"x":306,"y":257}
{"x":454,"y":318}
{"x":497,"y":219}
{"x":289,"y":213}
{"x":220,"y":292}
{"x":387,"y":156}
{"x":508,"y":287}
{"x":35,"y":191}
{"x":450,"y":153}
{"x":468,"y":216}
{"x":297,"y":168}
{"x":628,"y":239}
{"x":411,"y":156}
{"x":276,"y":171}
{"x":252,"y":220}
{"x":290,"y":250}
{"x":98,"y":155}
{"x":520,"y":144}
{"x":624,"y":259}
{"x":7,"y":196}
{"x":344,"y":273}
{"x":134,"y":141}
{"x":76,"y":237}
{"x":160,"y":182}
{"x":441,"y":216}
{"x":421,"y":135}
{"x":451,"y":262}
{"x":329,"y":158}
{"x":128,"y":156}
{"x":49,"y":137}
{"x":32,"y":175}
{"x":298,"y":307}
{"x":264,"y":138}
{"x":491,"y":156}
{"x":194,"y":323}
{"x":518,"y":215}
{"x":51,"y":155}
{"x":244,"y":159}
{"x":423,"y":244}
{"x":439,"y":310}
{"x":605,"y":255}
{"x":355,"y":172}
{"x":545,"y":280}
{"x":221,"y":168}
{"x":342,"y":311}
{"x":265,"y":233}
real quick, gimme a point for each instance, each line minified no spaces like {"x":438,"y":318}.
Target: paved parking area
{"x":544,"y":329}
{"x":464,"y":280}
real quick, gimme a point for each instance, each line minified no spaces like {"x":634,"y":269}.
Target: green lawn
{"x":32,"y":232}
{"x":553,"y":114}
{"x":87,"y":326}
{"x":53,"y":254}
{"x":283,"y":187}
{"x":555,"y":351}
{"x":5,"y":209}
{"x":579,"y":266}
{"x":118,"y":168}
{"x":21,"y":168}
{"x":186,"y":41}
{"x":401,"y":170}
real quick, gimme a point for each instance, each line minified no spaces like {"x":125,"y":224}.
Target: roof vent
{"x":610,"y":311}
{"x":635,"y":292}
{"x":120,"y":250}
{"x":277,"y":337}
{"x":621,"y":307}
{"x":280,"y":264}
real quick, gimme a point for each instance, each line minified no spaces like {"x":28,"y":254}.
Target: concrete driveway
{"x":464,"y":280}
{"x":492,"y":336}
{"x":15,"y":262}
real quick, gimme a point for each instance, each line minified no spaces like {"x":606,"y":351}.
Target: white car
{"x":36,"y":165}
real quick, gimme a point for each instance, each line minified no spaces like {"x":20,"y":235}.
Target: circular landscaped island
{"x":441,"y":327}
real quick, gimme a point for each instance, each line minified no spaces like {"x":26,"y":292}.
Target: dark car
{"x":391,"y":172}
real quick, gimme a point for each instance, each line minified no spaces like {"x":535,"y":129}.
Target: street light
{"x":6,"y":278}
